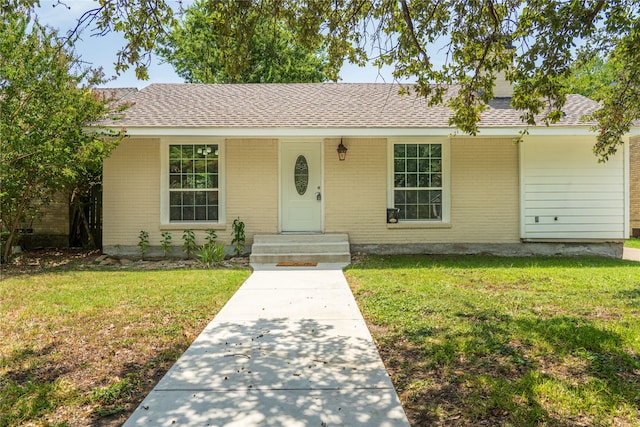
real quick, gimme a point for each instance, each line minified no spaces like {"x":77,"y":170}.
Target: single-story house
{"x":359,"y":160}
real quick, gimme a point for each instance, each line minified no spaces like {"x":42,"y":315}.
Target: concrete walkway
{"x":290,"y":348}
{"x":631,"y":254}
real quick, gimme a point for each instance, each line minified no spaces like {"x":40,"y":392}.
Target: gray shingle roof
{"x":312,"y":105}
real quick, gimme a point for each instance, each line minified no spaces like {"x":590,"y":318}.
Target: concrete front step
{"x":300,"y":238}
{"x":297,"y":247}
{"x":324,"y":258}
{"x":320,"y":248}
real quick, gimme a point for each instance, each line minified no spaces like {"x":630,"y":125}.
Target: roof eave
{"x":240,"y":132}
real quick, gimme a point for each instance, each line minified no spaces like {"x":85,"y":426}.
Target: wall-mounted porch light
{"x":342,"y":151}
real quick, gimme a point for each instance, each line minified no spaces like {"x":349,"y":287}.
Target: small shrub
{"x":238,"y":236}
{"x":143,"y":242}
{"x":189,"y":243}
{"x":165,"y":243}
{"x":211,"y":236}
{"x":211,"y":254}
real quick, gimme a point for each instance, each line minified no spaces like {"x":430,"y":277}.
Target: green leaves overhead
{"x":606,"y":80}
{"x":435,"y":43}
{"x":232,"y":42}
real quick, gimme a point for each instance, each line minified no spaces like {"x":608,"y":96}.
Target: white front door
{"x":301,"y":192}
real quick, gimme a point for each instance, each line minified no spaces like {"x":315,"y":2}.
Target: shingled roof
{"x":312,"y":105}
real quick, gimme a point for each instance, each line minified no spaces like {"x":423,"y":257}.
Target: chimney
{"x":502,"y":87}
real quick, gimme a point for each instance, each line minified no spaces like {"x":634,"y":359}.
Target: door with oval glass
{"x":301,"y":192}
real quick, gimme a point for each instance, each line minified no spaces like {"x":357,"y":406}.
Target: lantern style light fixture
{"x":342,"y":151}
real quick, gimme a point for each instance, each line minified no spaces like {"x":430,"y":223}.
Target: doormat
{"x":296,"y":264}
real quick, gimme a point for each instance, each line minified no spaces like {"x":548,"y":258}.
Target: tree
{"x":201,"y":51}
{"x":592,"y":77}
{"x":45,"y":104}
{"x":532,"y":41}
{"x":615,"y":85}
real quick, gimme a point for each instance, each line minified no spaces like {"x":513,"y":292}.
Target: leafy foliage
{"x":211,"y":235}
{"x":532,"y":41}
{"x":211,"y":254}
{"x":610,"y":81}
{"x":165,"y":243}
{"x":593,"y":77}
{"x":46,"y":102}
{"x":238,"y":236}
{"x":143,"y":242}
{"x":189,"y":242}
{"x":201,"y":50}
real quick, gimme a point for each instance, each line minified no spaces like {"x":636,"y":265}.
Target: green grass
{"x":513,"y":342}
{"x":632,"y":243}
{"x":76,"y":346}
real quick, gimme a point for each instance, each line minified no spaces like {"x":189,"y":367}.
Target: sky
{"x":100,"y":51}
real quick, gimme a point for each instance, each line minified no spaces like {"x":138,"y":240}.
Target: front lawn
{"x":85,"y":347}
{"x":491,"y":341}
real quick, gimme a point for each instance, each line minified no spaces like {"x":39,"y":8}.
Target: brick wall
{"x":131,"y":193}
{"x":51,"y":227}
{"x":252,"y":185}
{"x":484,"y":193}
{"x":355,"y":190}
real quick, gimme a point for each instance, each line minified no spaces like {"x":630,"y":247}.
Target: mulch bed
{"x":37,"y":261}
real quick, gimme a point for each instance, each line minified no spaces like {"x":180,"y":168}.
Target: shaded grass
{"x":501,"y":341}
{"x":85,"y":347}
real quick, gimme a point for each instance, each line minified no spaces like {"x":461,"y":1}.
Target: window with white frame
{"x":193,"y":182}
{"x":418,"y":181}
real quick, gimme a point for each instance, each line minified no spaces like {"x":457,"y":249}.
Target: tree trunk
{"x":7,"y":250}
{"x":85,"y":223}
{"x":78,"y":211}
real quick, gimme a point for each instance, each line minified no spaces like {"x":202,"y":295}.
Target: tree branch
{"x":409,"y":21}
{"x":494,"y":16}
{"x":20,"y":107}
{"x":590,"y":17}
